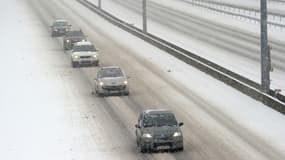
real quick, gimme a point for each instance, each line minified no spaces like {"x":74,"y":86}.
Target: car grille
{"x":162,"y":144}
{"x":114,"y":88}
{"x":85,"y":56}
{"x":86,"y":62}
{"x":163,"y":137}
{"x":75,"y":40}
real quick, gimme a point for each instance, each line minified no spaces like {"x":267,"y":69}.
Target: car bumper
{"x":154,"y":144}
{"x":68,"y":45}
{"x":123,"y":89}
{"x":59,"y":32}
{"x":86,"y":61}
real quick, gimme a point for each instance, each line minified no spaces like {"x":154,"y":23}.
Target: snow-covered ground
{"x":273,"y":6}
{"x":47,"y":111}
{"x":242,"y":52}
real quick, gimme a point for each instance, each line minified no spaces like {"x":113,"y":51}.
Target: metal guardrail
{"x":236,"y":81}
{"x":278,"y":1}
{"x":237,"y":6}
{"x":246,"y":10}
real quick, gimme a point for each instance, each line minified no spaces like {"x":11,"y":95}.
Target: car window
{"x":80,"y":48}
{"x":159,"y":119}
{"x":60,"y":23}
{"x":111,"y":72}
{"x":140,"y":119}
{"x":75,"y":34}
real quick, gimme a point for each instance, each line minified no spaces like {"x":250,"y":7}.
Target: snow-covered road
{"x":47,"y":110}
{"x":231,"y":43}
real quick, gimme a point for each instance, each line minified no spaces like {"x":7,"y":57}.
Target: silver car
{"x":157,"y":129}
{"x":111,"y":80}
{"x":84,"y":53}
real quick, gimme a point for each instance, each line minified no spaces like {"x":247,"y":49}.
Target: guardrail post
{"x":265,"y":59}
{"x":99,"y":4}
{"x":144,"y":16}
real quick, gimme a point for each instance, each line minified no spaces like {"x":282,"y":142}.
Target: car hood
{"x":85,"y":53}
{"x":163,"y":130}
{"x":113,"y":81}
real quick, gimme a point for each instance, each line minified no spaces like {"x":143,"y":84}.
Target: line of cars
{"x":109,"y":80}
{"x":156,"y":129}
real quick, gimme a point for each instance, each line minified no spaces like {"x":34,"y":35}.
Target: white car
{"x":111,"y":80}
{"x":84,"y":53}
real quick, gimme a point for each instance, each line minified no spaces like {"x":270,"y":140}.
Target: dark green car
{"x":71,"y":37}
{"x":157,"y":129}
{"x":59,"y":27}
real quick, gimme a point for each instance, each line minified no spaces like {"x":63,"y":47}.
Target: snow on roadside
{"x":32,"y":116}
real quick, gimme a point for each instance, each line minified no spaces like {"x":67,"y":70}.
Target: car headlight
{"x":55,"y":30}
{"x":75,"y":56}
{"x":126,"y":82}
{"x":66,"y":29}
{"x":147,"y":135}
{"x":101,"y":83}
{"x":68,"y":41}
{"x":94,"y":56}
{"x":177,"y":134}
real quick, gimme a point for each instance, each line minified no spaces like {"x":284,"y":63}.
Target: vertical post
{"x":265,"y":58}
{"x":99,"y":4}
{"x":144,"y":16}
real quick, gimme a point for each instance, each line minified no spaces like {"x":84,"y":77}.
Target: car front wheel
{"x":142,"y":149}
{"x":52,"y":34}
{"x":74,"y":64}
{"x":96,"y":63}
{"x":127,"y":93}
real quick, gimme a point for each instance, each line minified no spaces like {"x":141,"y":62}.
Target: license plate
{"x":162,"y":147}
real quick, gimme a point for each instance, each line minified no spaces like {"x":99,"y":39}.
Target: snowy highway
{"x":47,"y":110}
{"x":229,"y":42}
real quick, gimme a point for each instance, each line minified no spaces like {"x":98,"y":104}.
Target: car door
{"x":96,"y":81}
{"x":138,"y":129}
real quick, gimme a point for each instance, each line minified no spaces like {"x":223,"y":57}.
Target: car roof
{"x":76,"y":31}
{"x":60,"y":20}
{"x":109,"y":67}
{"x":153,"y":111}
{"x":83,"y":43}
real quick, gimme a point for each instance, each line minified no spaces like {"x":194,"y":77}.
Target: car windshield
{"x":83,"y":48}
{"x":159,"y":119}
{"x":60,"y":23}
{"x":111,"y":72}
{"x":75,"y":34}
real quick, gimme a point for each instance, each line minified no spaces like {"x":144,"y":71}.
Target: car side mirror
{"x":137,"y":126}
{"x":180,"y":124}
